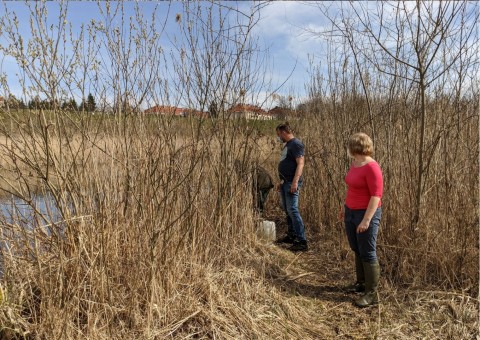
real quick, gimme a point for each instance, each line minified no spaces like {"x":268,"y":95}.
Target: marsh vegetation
{"x":152,"y":235}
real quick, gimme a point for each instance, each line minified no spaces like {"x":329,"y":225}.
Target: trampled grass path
{"x":312,"y":281}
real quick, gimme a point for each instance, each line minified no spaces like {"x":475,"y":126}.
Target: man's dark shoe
{"x":299,"y":246}
{"x":286,"y":239}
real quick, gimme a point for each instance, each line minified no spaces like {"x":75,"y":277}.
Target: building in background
{"x":175,"y":111}
{"x":246,"y":111}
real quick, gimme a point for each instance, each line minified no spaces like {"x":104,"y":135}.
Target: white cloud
{"x":283,"y":29}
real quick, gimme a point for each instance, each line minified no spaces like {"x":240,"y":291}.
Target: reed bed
{"x":157,"y":240}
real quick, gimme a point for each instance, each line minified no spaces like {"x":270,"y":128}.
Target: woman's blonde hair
{"x":360,"y":144}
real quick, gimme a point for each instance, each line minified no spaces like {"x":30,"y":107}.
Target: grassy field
{"x":158,"y":236}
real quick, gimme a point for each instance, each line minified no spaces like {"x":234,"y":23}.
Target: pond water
{"x":42,"y":210}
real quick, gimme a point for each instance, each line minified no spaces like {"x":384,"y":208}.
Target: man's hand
{"x":294,"y":187}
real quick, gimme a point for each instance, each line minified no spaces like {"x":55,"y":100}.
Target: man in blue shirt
{"x":290,"y":170}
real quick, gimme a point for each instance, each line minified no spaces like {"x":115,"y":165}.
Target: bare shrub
{"x":415,"y":94}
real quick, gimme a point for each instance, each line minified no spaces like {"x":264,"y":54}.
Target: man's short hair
{"x":284,"y":127}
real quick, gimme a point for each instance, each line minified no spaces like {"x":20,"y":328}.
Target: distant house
{"x":196,"y":113}
{"x":166,"y":110}
{"x":282,"y":113}
{"x":249,"y":112}
{"x":175,"y":111}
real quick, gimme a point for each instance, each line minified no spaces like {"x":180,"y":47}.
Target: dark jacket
{"x":261,"y":179}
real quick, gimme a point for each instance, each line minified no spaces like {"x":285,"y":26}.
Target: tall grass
{"x":150,"y":233}
{"x":442,"y":249}
{"x":157,"y":233}
{"x":149,"y":211}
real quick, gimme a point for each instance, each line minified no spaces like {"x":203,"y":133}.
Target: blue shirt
{"x":292,"y":150}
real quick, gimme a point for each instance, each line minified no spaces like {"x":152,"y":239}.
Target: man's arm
{"x":298,"y":173}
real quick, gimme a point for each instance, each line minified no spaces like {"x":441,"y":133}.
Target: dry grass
{"x":157,"y":240}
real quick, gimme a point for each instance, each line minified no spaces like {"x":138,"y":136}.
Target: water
{"x":17,"y":214}
{"x":41,"y":211}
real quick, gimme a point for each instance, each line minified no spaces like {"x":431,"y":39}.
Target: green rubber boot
{"x":372,"y":276}
{"x":358,"y":286}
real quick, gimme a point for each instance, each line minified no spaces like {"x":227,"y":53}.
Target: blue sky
{"x":292,"y":50}
{"x":279,"y":31}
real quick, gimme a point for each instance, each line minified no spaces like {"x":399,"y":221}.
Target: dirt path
{"x":315,"y":279}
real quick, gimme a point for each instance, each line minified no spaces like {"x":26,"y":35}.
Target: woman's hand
{"x":372,"y":207}
{"x":363,"y":226}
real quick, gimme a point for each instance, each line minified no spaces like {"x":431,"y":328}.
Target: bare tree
{"x":405,"y":73}
{"x":418,"y":42}
{"x":130,"y":192}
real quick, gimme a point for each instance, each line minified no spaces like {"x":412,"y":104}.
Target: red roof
{"x":162,"y":109}
{"x":281,"y":111}
{"x":176,"y":111}
{"x":196,"y":113}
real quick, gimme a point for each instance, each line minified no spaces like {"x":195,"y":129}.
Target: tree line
{"x":86,"y":105}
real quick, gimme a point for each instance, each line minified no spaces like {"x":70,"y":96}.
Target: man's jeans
{"x":296,"y":229}
{"x":363,"y":244}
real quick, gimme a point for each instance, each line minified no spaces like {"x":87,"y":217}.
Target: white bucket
{"x":266,"y":230}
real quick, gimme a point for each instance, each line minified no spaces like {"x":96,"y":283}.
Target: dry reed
{"x":157,"y":240}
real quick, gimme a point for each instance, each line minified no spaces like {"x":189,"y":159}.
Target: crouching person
{"x":262,"y":183}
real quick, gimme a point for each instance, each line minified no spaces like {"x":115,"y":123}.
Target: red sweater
{"x":363,"y":182}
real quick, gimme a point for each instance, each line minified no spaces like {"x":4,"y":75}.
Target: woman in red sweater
{"x":362,"y":213}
